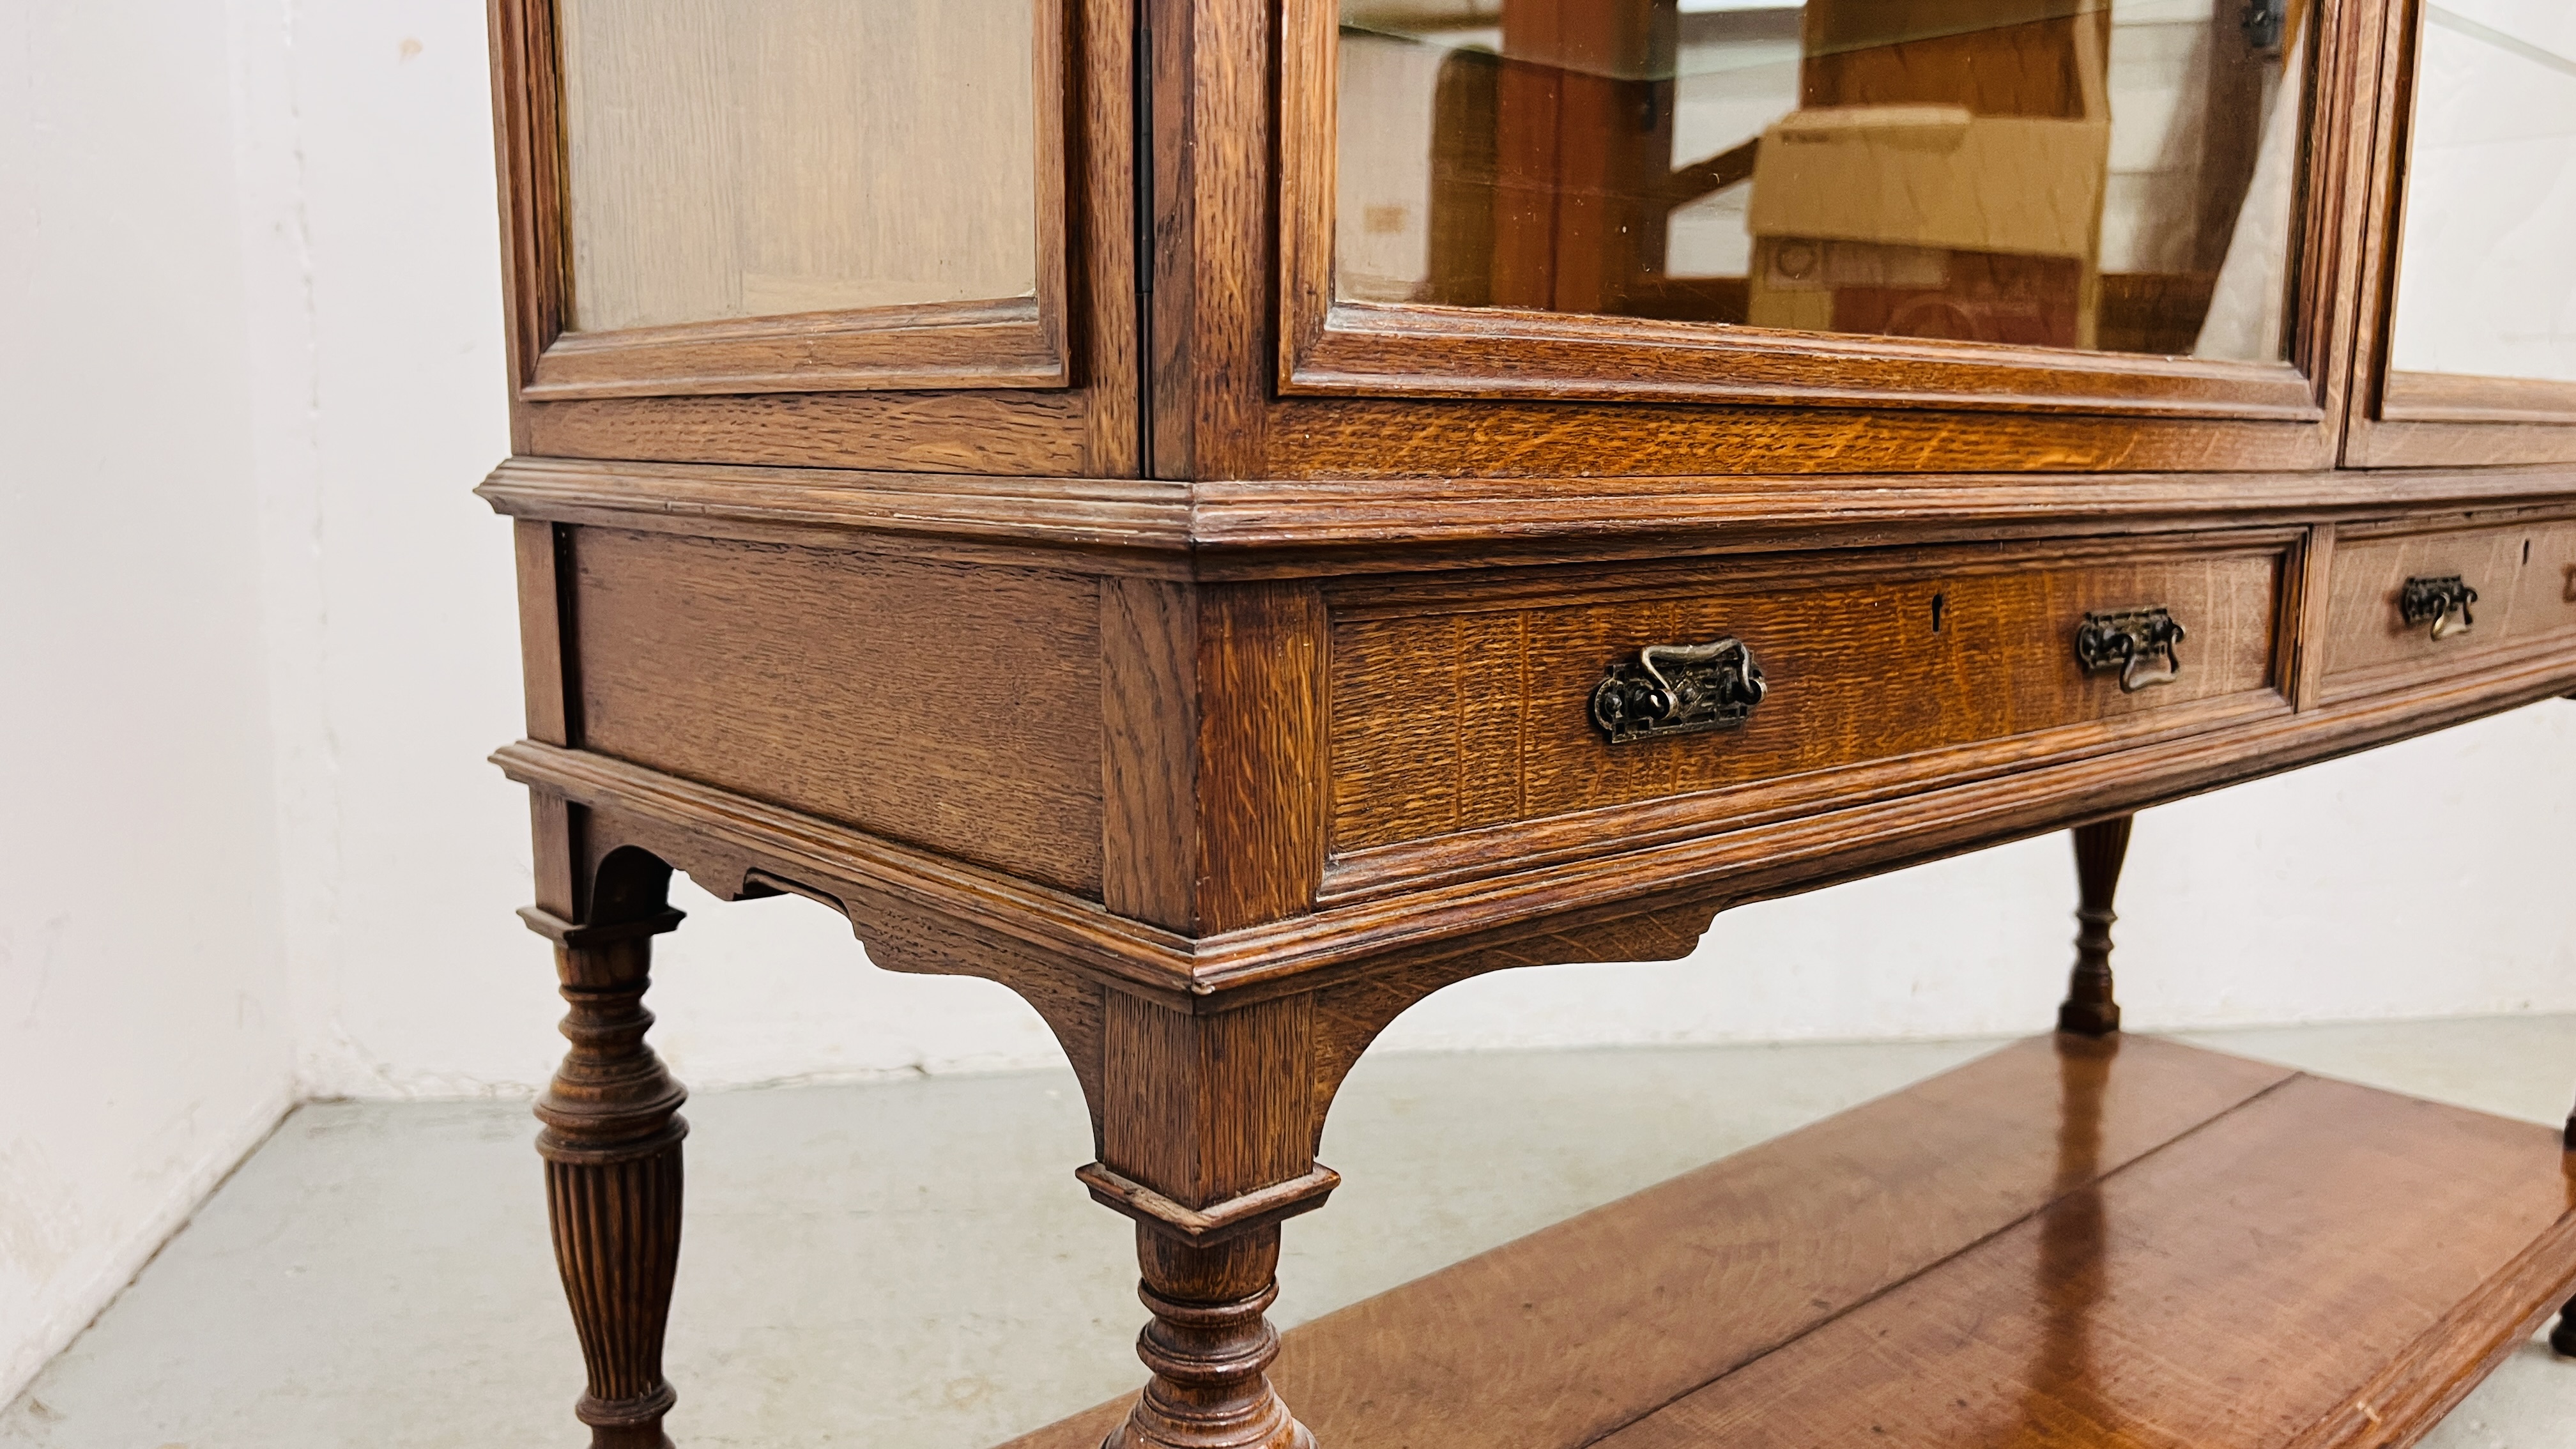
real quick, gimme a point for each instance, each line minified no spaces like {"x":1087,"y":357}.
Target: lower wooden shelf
{"x":2128,"y":1243}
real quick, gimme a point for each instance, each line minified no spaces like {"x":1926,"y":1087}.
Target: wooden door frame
{"x":1042,"y":384}
{"x":2420,"y":419}
{"x":1259,"y":374}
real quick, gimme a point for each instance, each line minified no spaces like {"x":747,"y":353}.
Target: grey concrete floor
{"x":910,"y":1264}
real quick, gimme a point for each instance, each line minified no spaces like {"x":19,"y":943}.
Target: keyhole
{"x":1940,"y":602}
{"x":2526,"y":553}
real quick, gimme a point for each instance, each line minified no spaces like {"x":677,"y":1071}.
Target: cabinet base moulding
{"x":2071,"y":1242}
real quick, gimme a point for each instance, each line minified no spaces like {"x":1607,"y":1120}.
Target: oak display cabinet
{"x":1226,"y":516}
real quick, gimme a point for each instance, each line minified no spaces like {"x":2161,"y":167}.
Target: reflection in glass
{"x":2487,"y":262}
{"x":750,"y":158}
{"x":2109,"y":174}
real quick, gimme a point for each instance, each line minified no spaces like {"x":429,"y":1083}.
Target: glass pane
{"x":749,"y":158}
{"x":2118,"y":175}
{"x":2487,"y":269}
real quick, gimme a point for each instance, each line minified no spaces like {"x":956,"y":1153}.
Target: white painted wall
{"x":143,"y":1002}
{"x":258,"y":639}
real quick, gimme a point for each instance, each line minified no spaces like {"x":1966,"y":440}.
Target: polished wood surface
{"x":1462,"y":704}
{"x":1204,"y":657}
{"x":1338,"y":363}
{"x":951,"y":708}
{"x":2092,"y":1007}
{"x":928,"y":386}
{"x":2402,"y":419}
{"x":2247,"y":1287}
{"x":611,"y":1145}
{"x":2113,"y":1242}
{"x":2524,"y":573}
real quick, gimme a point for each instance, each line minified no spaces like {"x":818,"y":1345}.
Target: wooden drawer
{"x":1460,"y":709}
{"x":2524,"y":573}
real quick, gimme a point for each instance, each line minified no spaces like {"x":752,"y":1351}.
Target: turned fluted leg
{"x":1208,"y":1346}
{"x":2090,"y":1008}
{"x":611,"y":1144}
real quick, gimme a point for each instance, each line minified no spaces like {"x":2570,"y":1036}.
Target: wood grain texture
{"x":2406,"y":1398}
{"x":1149,"y":661}
{"x":544,"y":679}
{"x":623,"y":857}
{"x":728,"y":842}
{"x":1473,"y":712}
{"x":2440,"y":397}
{"x":1007,"y":343}
{"x":1204,"y":1107}
{"x":1207,"y":1345}
{"x":1656,"y":863}
{"x":557,"y":830}
{"x":1103,"y":525}
{"x":1682,"y":857}
{"x":1213,"y":237}
{"x":1361,"y":353}
{"x":1351,"y":1011}
{"x":1374,"y":437}
{"x":2091,"y":1008}
{"x":1105,"y":244}
{"x":2243,"y":1289}
{"x":2329,"y":271}
{"x":611,"y":1145}
{"x":1161,"y":757}
{"x":2306,"y":613}
{"x":1082,"y":338}
{"x":1261,"y":751}
{"x":1217,"y":531}
{"x":2417,"y":420}
{"x":646,"y":107}
{"x":1383,"y":350}
{"x":900,"y":934}
{"x":1441,"y":519}
{"x":2123,"y":1242}
{"x":526,"y":115}
{"x":954,"y":708}
{"x":922,"y":432}
{"x":2524,"y":572}
{"x":1576,"y":1330}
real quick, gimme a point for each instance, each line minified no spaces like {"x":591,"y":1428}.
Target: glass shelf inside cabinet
{"x":2486,"y":283}
{"x":2118,"y":177}
{"x":759,"y":158}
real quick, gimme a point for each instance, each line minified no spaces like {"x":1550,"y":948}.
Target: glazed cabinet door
{"x":1766,"y":236}
{"x":861,"y":232}
{"x":2471,"y":334}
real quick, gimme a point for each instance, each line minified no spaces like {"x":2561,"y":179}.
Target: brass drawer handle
{"x":1678,"y":689}
{"x":2125,"y":640}
{"x":2433,"y":599}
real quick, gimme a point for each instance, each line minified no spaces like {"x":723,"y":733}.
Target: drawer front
{"x":2524,"y":574}
{"x":1468,"y":708}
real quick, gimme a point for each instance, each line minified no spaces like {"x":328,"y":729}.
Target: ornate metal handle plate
{"x":2126,"y":640}
{"x":1678,"y":689}
{"x":2434,"y":599}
